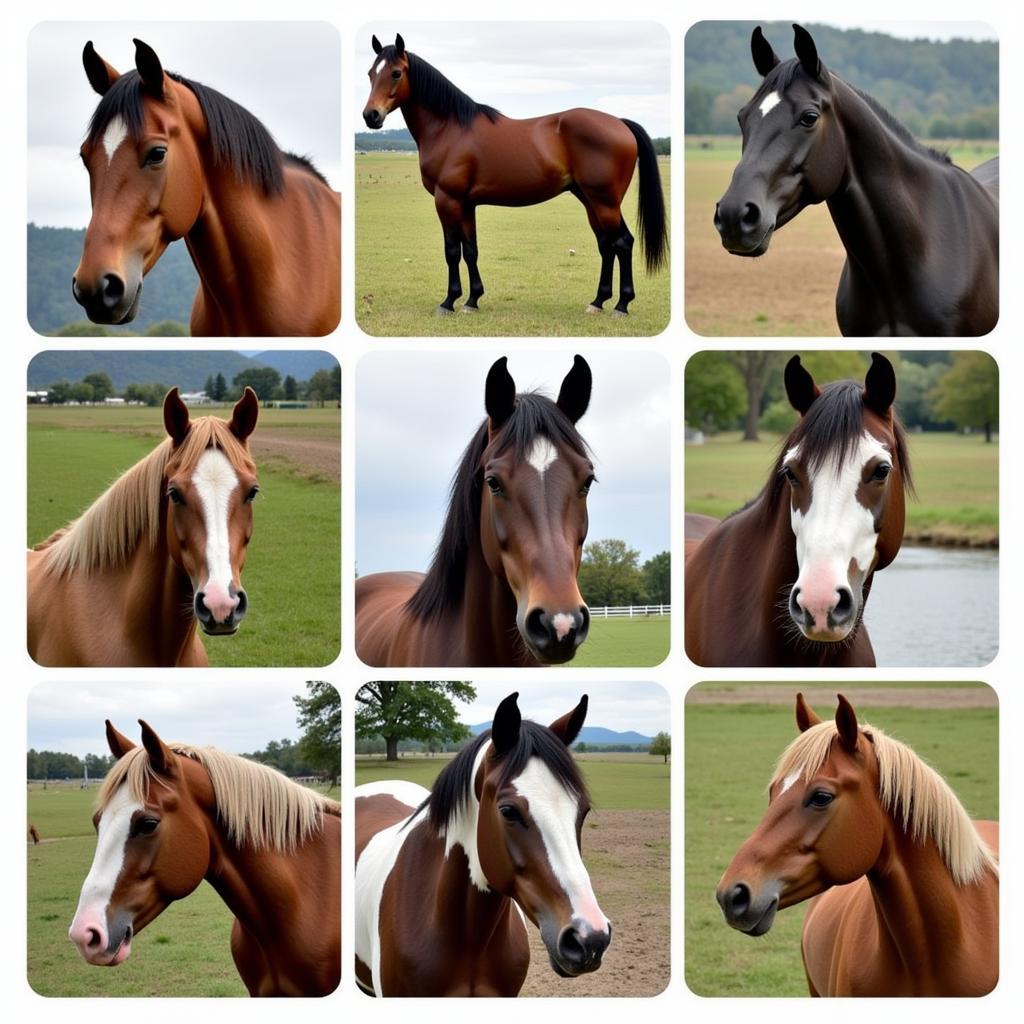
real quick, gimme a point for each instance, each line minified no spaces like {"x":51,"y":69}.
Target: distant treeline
{"x":939,"y":90}
{"x":54,"y":764}
{"x":399,"y":140}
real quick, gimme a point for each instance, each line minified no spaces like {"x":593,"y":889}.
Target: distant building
{"x":37,"y":397}
{"x":196,"y":398}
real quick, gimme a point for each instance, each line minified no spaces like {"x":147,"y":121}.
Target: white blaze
{"x":542,"y":454}
{"x":788,"y":781}
{"x":214,"y":481}
{"x":769,"y":103}
{"x":116,"y":133}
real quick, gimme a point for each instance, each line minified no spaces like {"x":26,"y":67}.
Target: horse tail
{"x":651,"y":222}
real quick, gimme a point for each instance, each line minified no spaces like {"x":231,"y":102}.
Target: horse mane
{"x":442,"y":588}
{"x":259,"y":807}
{"x":913,"y":793}
{"x":438,"y":94}
{"x":453,"y":789}
{"x":106,"y":534}
{"x":238,"y":139}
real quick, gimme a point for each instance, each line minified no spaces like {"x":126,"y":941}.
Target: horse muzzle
{"x":554,"y":637}
{"x":220,"y":615}
{"x":97,"y":946}
{"x":111,"y":300}
{"x":828,"y":618}
{"x":745,"y":227}
{"x":578,"y":950}
{"x":373,"y":118}
{"x":747,"y":913}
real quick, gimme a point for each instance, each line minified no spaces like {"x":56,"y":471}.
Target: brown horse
{"x":905,"y":886}
{"x":169,"y":158}
{"x":162,"y":549}
{"x":501,"y":589}
{"x":445,"y":878}
{"x":170,"y":815}
{"x":471,"y":155}
{"x":784,"y":580}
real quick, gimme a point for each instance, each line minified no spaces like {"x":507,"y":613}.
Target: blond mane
{"x":912,"y":792}
{"x":258,"y":805}
{"x":106,"y":534}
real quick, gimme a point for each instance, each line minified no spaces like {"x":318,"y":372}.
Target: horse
{"x":445,"y":879}
{"x":472,"y":155}
{"x":904,"y":887}
{"x":921,"y":234}
{"x":161,"y":550}
{"x":784,"y":581}
{"x":170,"y":158}
{"x":501,"y":589}
{"x":170,"y":815}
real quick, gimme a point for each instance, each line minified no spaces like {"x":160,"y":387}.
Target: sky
{"x":530,"y":68}
{"x":416,"y":412}
{"x":237,"y":716}
{"x":286,"y":73}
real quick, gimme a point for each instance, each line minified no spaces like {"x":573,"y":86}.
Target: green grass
{"x":293,"y":570}
{"x":956,"y":477}
{"x":730,"y":751}
{"x":620,"y":643}
{"x":534,"y":287}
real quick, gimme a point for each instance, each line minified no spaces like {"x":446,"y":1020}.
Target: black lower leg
{"x":452,"y":255}
{"x":470,"y":254}
{"x":604,"y":282}
{"x":623,"y":246}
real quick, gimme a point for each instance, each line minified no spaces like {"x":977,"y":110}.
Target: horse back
{"x":380,"y":608}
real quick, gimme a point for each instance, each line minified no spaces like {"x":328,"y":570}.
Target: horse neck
{"x":422,"y":123}
{"x":488,"y":617}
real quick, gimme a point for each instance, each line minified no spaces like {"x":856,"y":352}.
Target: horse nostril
{"x":751,"y":216}
{"x":571,"y":947}
{"x":243,"y":604}
{"x":718,"y":217}
{"x":843,"y":609}
{"x":584,"y":625}
{"x":538,"y":627}
{"x":92,"y":938}
{"x":739,"y":899}
{"x":203,"y":613}
{"x":113,"y":289}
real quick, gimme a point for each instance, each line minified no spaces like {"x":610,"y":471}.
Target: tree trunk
{"x":391,"y":748}
{"x":988,"y":432}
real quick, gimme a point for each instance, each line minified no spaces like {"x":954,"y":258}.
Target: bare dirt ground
{"x":934,"y":697}
{"x":627,"y":855}
{"x":315,"y":457}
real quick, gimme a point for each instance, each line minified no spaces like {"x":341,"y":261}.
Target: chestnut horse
{"x":170,"y":815}
{"x":169,"y":158}
{"x":921,"y":234}
{"x":471,"y":155}
{"x":160,"y":550}
{"x":446,"y":878}
{"x":783,"y":581}
{"x":904,"y":887}
{"x":501,"y":589}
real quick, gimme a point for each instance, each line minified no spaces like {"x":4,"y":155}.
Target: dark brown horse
{"x":169,"y":158}
{"x":170,"y":815}
{"x":921,"y":234}
{"x":445,"y":879}
{"x":471,"y":155}
{"x":783,"y":581}
{"x":904,"y":887}
{"x":501,"y":589}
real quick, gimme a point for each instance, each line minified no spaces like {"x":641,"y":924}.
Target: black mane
{"x":238,"y":139}
{"x":442,"y":589}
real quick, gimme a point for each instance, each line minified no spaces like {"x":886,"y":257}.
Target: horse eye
{"x":585,"y":489}
{"x":790,"y":476}
{"x":808,"y":118}
{"x":146,"y":826}
{"x":396,"y":75}
{"x":175,"y":495}
{"x":251,"y":496}
{"x":511,"y":813}
{"x":155,"y":156}
{"x":881,"y":471}
{"x":820,"y":798}
{"x":493,"y":484}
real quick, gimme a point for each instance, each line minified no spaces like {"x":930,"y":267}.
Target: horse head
{"x":389,"y":81}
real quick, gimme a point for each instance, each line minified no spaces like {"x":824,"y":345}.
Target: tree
{"x":291,"y":388}
{"x":714,"y":392}
{"x":320,"y":718}
{"x":610,"y":574}
{"x":59,"y":392}
{"x":969,"y":393}
{"x":661,"y":746}
{"x":220,"y":388}
{"x":81,"y":392}
{"x":208,"y":386}
{"x":166,"y":329}
{"x":324,"y":386}
{"x":755,"y":367}
{"x":657,"y":575}
{"x":101,"y":384}
{"x":262,"y":379}
{"x":423,"y":711}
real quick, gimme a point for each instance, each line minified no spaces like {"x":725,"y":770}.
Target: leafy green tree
{"x":421,"y":711}
{"x":755,"y":367}
{"x":320,"y":719}
{"x":657,"y":577}
{"x":661,"y":746}
{"x":101,"y":384}
{"x":59,"y":392}
{"x":714,"y":393}
{"x":968,"y":394}
{"x":220,"y":388}
{"x":262,"y":379}
{"x":148,"y":394}
{"x":166,"y":329}
{"x":324,"y":387}
{"x":915,"y":384}
{"x":81,"y":392}
{"x":291,"y":388}
{"x":82,"y":329}
{"x":208,"y":386}
{"x":610,"y":574}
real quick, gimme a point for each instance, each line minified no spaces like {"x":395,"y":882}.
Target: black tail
{"x":651,"y":226}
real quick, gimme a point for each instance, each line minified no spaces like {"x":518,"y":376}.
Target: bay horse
{"x":446,"y":878}
{"x":784,"y":581}
{"x":921,"y":234}
{"x":161,"y":550}
{"x":904,"y":887}
{"x":170,"y":158}
{"x":169,"y":816}
{"x":472,"y":155}
{"x":501,"y":589}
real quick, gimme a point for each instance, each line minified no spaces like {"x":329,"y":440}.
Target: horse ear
{"x":806,"y":51}
{"x":119,"y":745}
{"x":765,"y":58}
{"x":245,"y":414}
{"x":150,"y":69}
{"x":880,"y":385}
{"x":499,"y":394}
{"x":176,"y":420}
{"x":805,"y":714}
{"x":574,"y":395}
{"x":375,"y":43}
{"x":567,"y":728}
{"x":100,"y":74}
{"x":505,"y":727}
{"x":161,"y":757}
{"x":846,"y":724}
{"x":399,"y":45}
{"x":800,"y":387}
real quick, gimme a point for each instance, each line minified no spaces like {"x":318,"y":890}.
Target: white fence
{"x":632,"y":611}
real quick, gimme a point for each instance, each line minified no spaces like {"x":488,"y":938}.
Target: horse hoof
{"x":619,"y":312}
{"x":469,"y":309}
{"x":593,"y":309}
{"x":444,"y":311}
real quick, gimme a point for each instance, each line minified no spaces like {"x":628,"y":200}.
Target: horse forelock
{"x":910,"y":791}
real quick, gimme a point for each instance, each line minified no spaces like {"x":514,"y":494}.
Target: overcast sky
{"x":238,"y":717}
{"x":530,"y":68}
{"x":286,"y":73}
{"x":416,"y":412}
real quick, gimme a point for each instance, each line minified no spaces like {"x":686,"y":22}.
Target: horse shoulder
{"x":989,"y":832}
{"x":838,"y":923}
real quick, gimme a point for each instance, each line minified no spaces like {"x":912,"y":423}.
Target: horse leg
{"x":450,"y":213}
{"x":623,"y":246}
{"x":470,"y":254}
{"x":604,"y":247}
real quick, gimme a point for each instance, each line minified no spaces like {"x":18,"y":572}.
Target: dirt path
{"x":935,"y":697}
{"x":627,"y":855}
{"x":309,"y":456}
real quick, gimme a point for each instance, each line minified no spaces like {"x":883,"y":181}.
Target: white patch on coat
{"x":542,"y":454}
{"x":788,"y":781}
{"x":769,"y":103}
{"x":116,"y":133}
{"x":215,"y":480}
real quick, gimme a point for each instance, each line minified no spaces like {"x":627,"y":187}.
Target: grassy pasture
{"x":293,"y":570}
{"x":184,"y":952}
{"x":956,"y":477}
{"x":790,"y":291}
{"x":616,"y":643}
{"x":730,"y":752}
{"x":534,"y":286}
